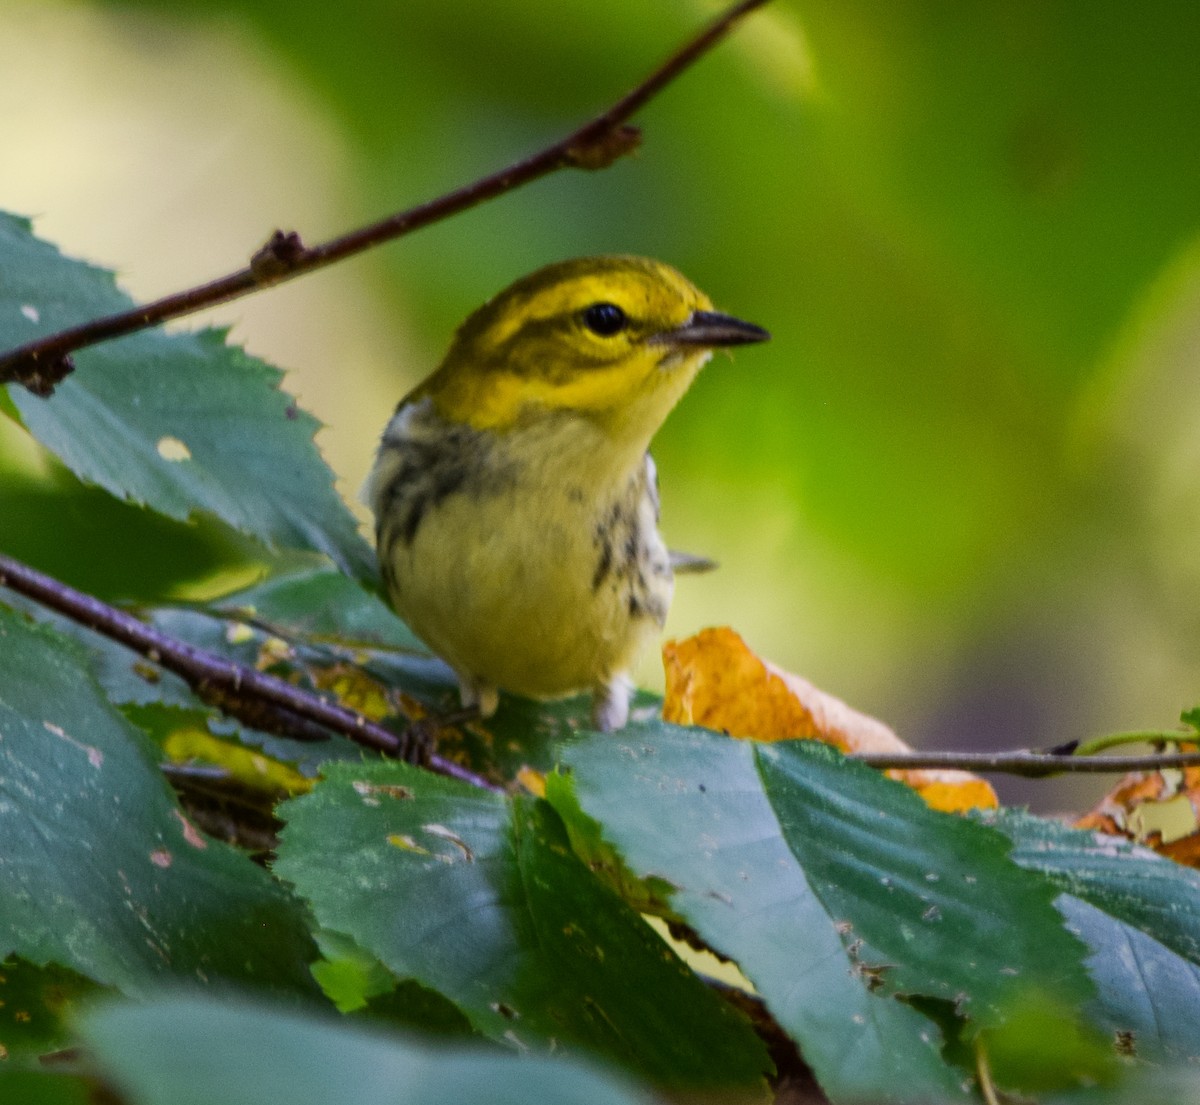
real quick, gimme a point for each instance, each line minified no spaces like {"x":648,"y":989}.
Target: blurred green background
{"x":961,"y":486}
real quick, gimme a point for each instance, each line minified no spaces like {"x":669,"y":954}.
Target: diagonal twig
{"x":41,"y":364}
{"x":260,"y":700}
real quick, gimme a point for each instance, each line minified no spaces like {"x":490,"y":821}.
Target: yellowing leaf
{"x":951,"y":791}
{"x":715,"y":680}
{"x":1160,"y":809}
{"x":252,"y":768}
{"x":533,"y":781}
{"x":355,"y":689}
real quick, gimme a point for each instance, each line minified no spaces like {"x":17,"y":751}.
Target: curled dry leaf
{"x":715,"y":680}
{"x":1160,"y":809}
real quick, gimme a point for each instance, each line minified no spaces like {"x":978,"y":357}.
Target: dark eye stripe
{"x":604,"y":319}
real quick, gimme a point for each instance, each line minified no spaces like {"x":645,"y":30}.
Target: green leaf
{"x":1019,"y":1058}
{"x":420,"y":1010}
{"x":349,"y":976}
{"x":35,"y":1087}
{"x":66,"y":530}
{"x":314,"y":602}
{"x":196,"y":1051}
{"x":1149,"y":997}
{"x":481,"y":899}
{"x":357,"y":983}
{"x":101,"y":871}
{"x":157,"y":701}
{"x":1125,"y":880}
{"x":181,"y":422}
{"x":35,"y":1005}
{"x":926,"y":892}
{"x":834,"y":889}
{"x":133,"y":681}
{"x":1140,"y":917}
{"x":648,"y":896}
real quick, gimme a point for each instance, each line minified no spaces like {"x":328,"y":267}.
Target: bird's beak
{"x":712,"y":329}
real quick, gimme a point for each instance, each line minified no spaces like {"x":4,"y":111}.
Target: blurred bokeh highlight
{"x":960,"y":488}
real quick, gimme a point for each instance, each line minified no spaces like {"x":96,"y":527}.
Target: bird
{"x":515,"y":500}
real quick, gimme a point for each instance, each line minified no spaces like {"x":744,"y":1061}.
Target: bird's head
{"x":616,"y":340}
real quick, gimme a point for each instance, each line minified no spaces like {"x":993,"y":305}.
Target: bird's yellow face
{"x":614,"y":339}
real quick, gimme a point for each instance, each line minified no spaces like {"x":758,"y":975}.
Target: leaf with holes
{"x":480,"y":898}
{"x":100,"y":870}
{"x":1140,"y":917}
{"x":181,"y":422}
{"x":838,"y":892}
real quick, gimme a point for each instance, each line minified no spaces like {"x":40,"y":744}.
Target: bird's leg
{"x":610,"y":703}
{"x":474,"y":692}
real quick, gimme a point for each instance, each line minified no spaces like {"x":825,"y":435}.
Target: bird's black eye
{"x":604,"y":319}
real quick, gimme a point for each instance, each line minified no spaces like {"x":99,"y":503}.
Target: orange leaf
{"x":1160,"y":809}
{"x":533,"y":781}
{"x":715,"y":680}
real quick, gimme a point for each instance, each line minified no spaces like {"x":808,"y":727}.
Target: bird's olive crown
{"x":586,"y":313}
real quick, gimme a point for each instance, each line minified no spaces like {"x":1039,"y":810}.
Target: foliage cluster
{"x":416,"y":938}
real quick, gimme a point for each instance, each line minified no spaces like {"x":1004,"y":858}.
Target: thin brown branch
{"x":44,"y":362}
{"x":257,"y":698}
{"x":1033,"y":765}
